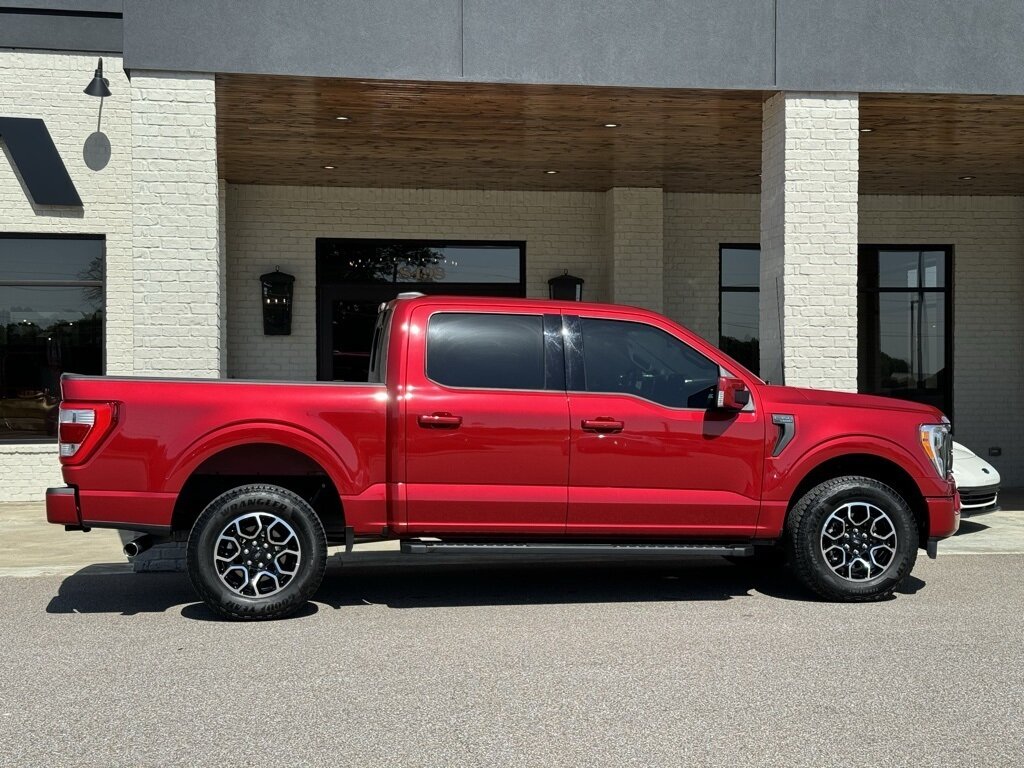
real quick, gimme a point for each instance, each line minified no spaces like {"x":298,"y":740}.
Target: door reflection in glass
{"x":352,"y":336}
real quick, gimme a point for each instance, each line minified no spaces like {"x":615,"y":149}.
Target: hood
{"x":961,"y":452}
{"x":852,"y":400}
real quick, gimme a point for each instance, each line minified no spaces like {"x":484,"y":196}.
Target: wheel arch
{"x":865,"y":464}
{"x":241,"y":457}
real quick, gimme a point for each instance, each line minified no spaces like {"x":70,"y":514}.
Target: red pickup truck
{"x":507,"y":426}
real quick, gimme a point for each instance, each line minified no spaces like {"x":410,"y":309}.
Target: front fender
{"x":283,"y":435}
{"x":783,"y":474}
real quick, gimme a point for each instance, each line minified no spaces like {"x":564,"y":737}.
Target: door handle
{"x":440,"y":421}
{"x":603,"y":425}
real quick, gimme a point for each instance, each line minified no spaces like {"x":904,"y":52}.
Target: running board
{"x":424,"y":547}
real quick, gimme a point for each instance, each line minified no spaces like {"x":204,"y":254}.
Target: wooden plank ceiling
{"x":284,"y":130}
{"x":923,"y":144}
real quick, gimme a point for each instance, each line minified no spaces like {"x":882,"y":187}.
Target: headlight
{"x":938,"y":447}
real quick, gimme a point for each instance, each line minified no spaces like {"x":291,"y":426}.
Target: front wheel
{"x":257,"y":552}
{"x":852,"y":539}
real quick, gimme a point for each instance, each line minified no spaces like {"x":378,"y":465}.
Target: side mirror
{"x":732,"y":394}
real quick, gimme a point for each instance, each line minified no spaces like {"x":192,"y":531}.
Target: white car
{"x":976,"y":480}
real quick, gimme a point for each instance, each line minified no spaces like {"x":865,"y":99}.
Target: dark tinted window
{"x":638,"y":359}
{"x":51,"y":322}
{"x":486,"y":351}
{"x":739,"y":316}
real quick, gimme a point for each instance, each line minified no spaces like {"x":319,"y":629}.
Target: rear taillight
{"x":82,"y":426}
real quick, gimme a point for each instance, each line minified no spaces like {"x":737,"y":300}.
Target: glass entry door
{"x":905,"y":337}
{"x":354,"y":277}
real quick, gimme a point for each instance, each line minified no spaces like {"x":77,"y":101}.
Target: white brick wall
{"x":268,"y":226}
{"x":175,"y":225}
{"x":634,"y":220}
{"x":49,"y":86}
{"x":809,"y":239}
{"x":695,"y":227}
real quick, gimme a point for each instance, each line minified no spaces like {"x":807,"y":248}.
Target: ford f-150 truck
{"x":507,"y":426}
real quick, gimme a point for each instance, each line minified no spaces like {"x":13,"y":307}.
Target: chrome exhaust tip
{"x":136,"y":547}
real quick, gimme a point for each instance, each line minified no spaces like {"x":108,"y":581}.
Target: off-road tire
{"x":236,"y":503}
{"x":804,"y":528}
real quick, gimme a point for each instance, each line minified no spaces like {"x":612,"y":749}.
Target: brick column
{"x":809,"y":167}
{"x":634,"y":222}
{"x":177,"y":258}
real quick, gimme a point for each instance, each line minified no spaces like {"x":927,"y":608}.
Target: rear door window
{"x":486,"y":351}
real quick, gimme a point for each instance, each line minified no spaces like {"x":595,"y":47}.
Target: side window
{"x":637,"y":359}
{"x":486,"y":351}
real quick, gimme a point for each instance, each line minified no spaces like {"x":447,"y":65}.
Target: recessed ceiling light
{"x":866,"y":130}
{"x":341,"y":117}
{"x":966,"y":178}
{"x":549,"y":172}
{"x":612,"y":125}
{"x":328,"y":167}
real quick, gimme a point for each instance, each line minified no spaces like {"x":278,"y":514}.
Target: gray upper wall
{"x":942,"y":46}
{"x":92,"y":26}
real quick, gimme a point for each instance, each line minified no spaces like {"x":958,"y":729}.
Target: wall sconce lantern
{"x":566,"y":287}
{"x":277,"y":302}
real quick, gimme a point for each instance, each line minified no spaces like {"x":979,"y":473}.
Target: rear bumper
{"x":62,"y":507}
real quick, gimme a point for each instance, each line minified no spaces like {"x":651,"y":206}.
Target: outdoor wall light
{"x":550,"y":172}
{"x":277,"y":288}
{"x":566,"y":287}
{"x":99,"y":86}
{"x":965,"y":178}
{"x":612,"y":125}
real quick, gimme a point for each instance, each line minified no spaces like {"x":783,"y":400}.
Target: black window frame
{"x":552,"y":351}
{"x":722,"y":288}
{"x":868,"y":271}
{"x":102,"y":284}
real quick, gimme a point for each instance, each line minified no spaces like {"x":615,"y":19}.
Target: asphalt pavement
{"x":415,"y":662}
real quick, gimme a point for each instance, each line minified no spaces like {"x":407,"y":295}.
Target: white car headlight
{"x":938,"y":447}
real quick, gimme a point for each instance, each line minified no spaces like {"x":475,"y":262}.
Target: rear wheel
{"x":852,"y":539}
{"x":257,"y":552}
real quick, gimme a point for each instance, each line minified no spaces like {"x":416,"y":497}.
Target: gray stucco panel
{"x":683,"y":44}
{"x":945,"y":46}
{"x":413,"y":39}
{"x":60,"y":33}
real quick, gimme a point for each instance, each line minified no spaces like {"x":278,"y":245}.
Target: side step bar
{"x":433,"y":546}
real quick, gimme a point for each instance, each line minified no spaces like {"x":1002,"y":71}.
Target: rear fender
{"x":246,"y":434}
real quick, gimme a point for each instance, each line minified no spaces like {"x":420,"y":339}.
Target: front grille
{"x":975,"y":498}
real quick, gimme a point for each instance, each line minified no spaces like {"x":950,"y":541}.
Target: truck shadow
{"x":405,"y":583}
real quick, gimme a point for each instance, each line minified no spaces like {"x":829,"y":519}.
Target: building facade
{"x":833,"y":193}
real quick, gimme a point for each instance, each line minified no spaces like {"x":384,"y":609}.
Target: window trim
{"x":544,"y":350}
{"x":47,"y":440}
{"x":575,"y":354}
